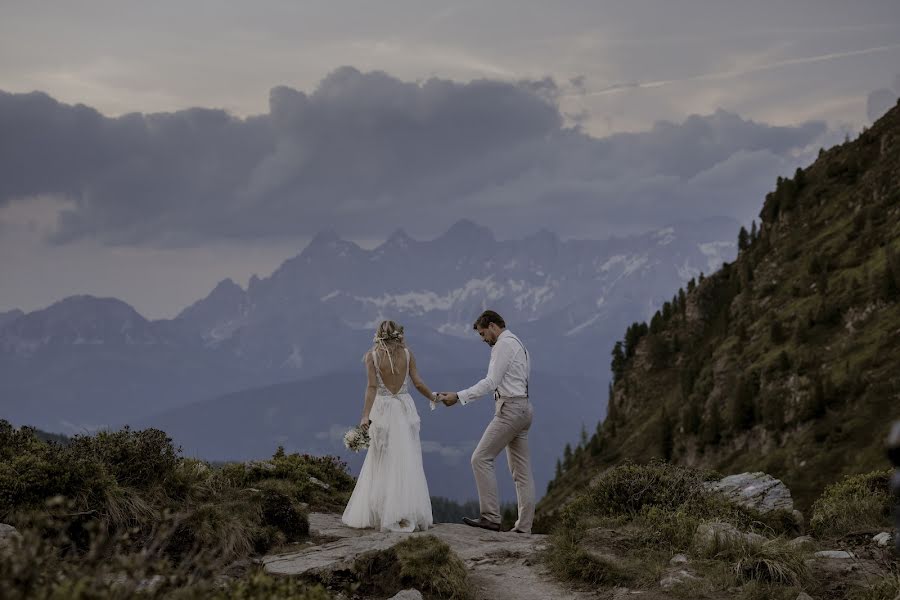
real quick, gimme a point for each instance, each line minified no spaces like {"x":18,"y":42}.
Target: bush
{"x":131,"y":481}
{"x":423,"y":562}
{"x":856,"y":502}
{"x":45,"y":566}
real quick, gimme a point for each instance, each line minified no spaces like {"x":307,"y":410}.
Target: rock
{"x":882,"y":539}
{"x":803,"y":540}
{"x":673,"y":578}
{"x":710,"y":536}
{"x":8,"y":535}
{"x":678,"y":559}
{"x":410,"y":594}
{"x":319,"y":483}
{"x":804,"y":596}
{"x":798,"y":518}
{"x":758,"y":491}
{"x":834,"y":554}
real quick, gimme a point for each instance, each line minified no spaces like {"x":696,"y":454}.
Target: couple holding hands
{"x":391,"y":493}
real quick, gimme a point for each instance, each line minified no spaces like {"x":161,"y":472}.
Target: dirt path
{"x":501,"y":565}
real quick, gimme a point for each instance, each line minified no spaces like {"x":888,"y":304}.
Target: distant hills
{"x":784,"y":360}
{"x":88,"y":362}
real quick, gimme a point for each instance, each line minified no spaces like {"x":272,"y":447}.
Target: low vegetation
{"x":421,"y":562}
{"x":856,"y":503}
{"x":100,"y":514}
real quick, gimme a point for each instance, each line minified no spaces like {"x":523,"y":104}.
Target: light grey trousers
{"x":509,"y":429}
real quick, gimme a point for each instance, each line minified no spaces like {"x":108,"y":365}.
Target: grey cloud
{"x":366,"y":152}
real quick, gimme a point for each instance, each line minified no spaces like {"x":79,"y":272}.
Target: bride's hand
{"x":364,"y":422}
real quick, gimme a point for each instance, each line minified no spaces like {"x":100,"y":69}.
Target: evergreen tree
{"x":754,"y":234}
{"x":584,"y":436}
{"x":618,"y":362}
{"x":611,"y":406}
{"x":558,"y":472}
{"x":890,"y":287}
{"x":742,"y":409}
{"x":567,"y":457}
{"x":743,"y":240}
{"x":666,"y":435}
{"x":776,"y":332}
{"x":712,"y":427}
{"x":682,"y":301}
{"x":691,"y":419}
{"x":773,"y":413}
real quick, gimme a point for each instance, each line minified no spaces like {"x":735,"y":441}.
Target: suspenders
{"x":527,"y":368}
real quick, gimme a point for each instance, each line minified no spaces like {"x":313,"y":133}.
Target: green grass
{"x":422,"y":562}
{"x":855,"y":503}
{"x":126,"y":504}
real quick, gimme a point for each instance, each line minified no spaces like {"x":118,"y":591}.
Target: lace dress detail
{"x":391,"y":492}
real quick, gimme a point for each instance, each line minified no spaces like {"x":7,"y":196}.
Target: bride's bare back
{"x":393,"y":381}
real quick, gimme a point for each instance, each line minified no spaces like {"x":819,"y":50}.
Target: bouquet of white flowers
{"x":356,"y":439}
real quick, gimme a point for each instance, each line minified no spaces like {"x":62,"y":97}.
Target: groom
{"x":507,"y":378}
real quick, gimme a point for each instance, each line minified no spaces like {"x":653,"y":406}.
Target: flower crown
{"x":393,"y":335}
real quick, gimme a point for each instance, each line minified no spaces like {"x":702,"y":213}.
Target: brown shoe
{"x":482,"y":522}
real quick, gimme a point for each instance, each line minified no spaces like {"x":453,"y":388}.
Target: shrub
{"x":422,"y":561}
{"x":43,"y":567}
{"x":856,"y":502}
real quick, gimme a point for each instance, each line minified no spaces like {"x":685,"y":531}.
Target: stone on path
{"x":708,"y":537}
{"x":882,"y":539}
{"x":834,"y":554}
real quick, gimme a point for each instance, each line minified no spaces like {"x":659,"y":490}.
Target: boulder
{"x":803,"y":541}
{"x":834,"y":554}
{"x":8,"y":534}
{"x":410,"y":594}
{"x":882,"y":539}
{"x":759,"y":491}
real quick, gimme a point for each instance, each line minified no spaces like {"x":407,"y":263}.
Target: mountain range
{"x":86,"y":362}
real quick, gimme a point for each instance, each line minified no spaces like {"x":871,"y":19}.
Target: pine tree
{"x":584,"y":436}
{"x":618,"y":362}
{"x":754,"y":234}
{"x":558,"y":472}
{"x":567,"y":457}
{"x":742,"y":410}
{"x":712,"y":427}
{"x":691,"y":419}
{"x":682,"y":302}
{"x":743,"y":240}
{"x":666,"y":436}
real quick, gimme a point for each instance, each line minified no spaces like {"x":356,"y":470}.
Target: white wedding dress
{"x":391,"y":493}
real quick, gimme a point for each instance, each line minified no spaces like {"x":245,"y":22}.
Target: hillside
{"x":783,"y":360}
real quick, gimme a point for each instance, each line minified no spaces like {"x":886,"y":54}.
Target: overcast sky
{"x":148,"y":150}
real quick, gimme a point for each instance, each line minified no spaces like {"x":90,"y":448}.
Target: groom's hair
{"x":488,"y":317}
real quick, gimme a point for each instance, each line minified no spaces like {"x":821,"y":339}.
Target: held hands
{"x":448,"y":398}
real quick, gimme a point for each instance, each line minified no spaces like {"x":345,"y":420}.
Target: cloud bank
{"x":365,"y":153}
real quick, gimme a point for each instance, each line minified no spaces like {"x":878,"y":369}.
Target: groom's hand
{"x":449,"y":399}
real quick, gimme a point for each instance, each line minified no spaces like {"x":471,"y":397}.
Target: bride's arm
{"x":371,"y":389}
{"x":417,"y":379}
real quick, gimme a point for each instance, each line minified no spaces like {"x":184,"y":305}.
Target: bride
{"x":391,"y":493}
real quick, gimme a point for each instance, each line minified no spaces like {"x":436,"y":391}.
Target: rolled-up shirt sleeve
{"x":501,"y":357}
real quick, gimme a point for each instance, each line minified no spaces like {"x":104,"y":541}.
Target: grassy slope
{"x":833,"y":229}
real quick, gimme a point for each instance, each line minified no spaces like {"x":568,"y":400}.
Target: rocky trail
{"x":501,"y":565}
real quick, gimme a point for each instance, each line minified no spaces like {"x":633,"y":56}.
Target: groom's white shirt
{"x":507,"y":371}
